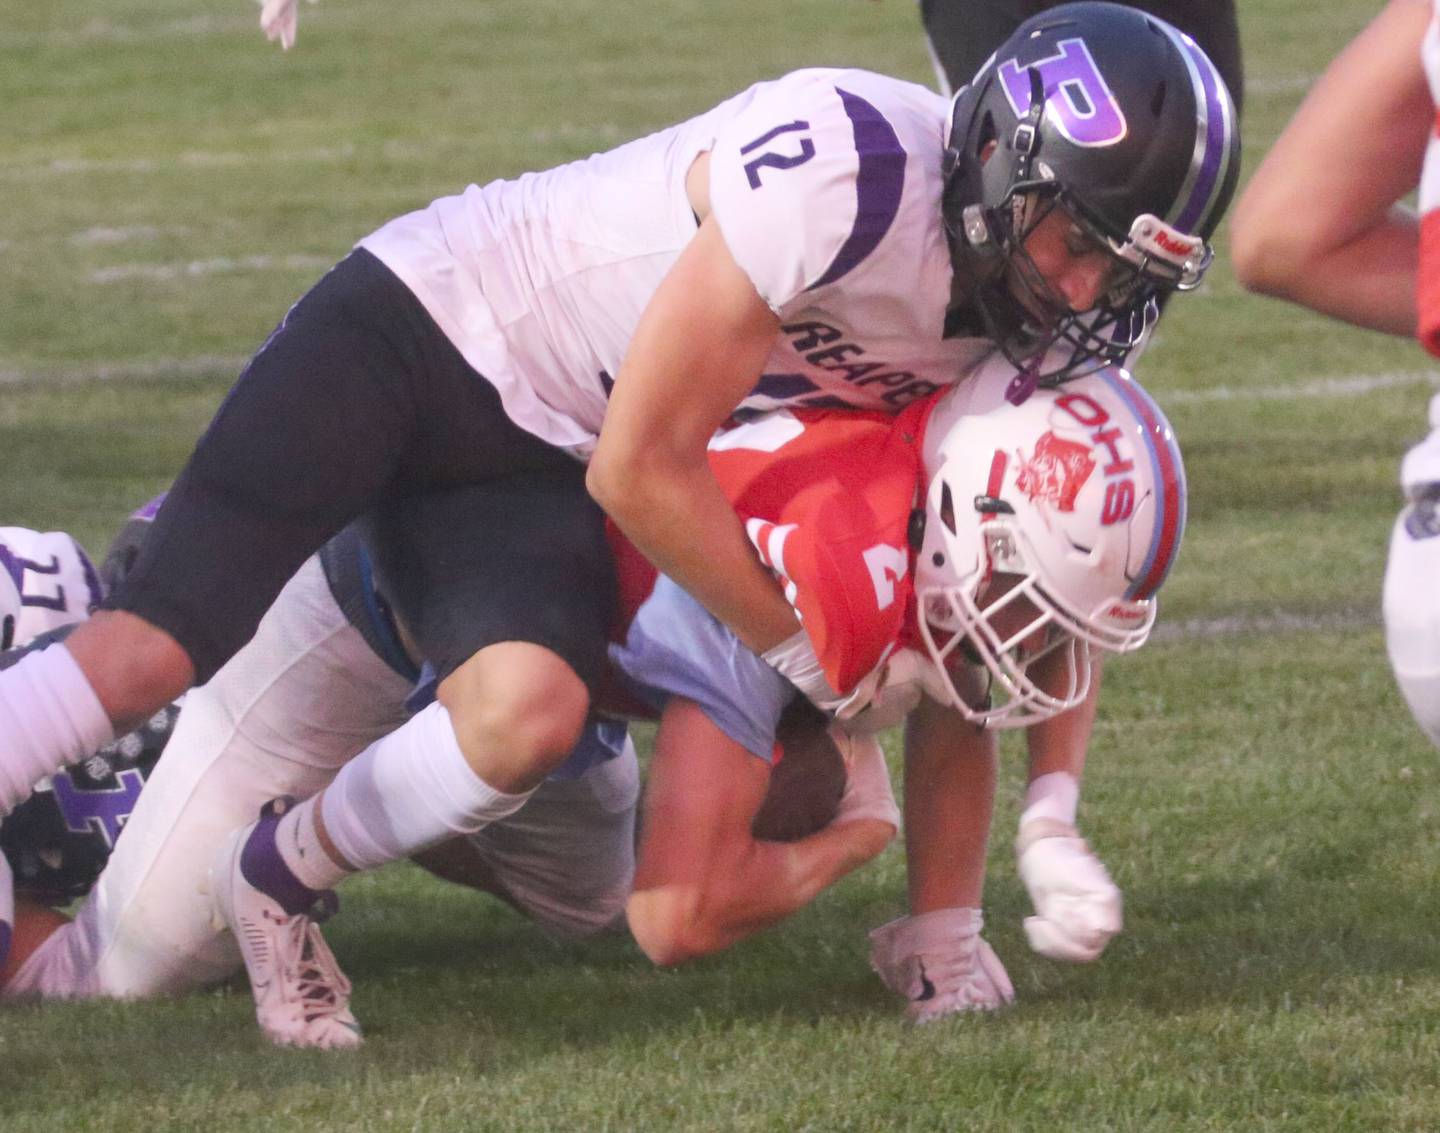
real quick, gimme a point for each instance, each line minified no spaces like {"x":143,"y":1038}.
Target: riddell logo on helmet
{"x":1167,"y":243}
{"x":1120,"y":487}
{"x":1056,"y":473}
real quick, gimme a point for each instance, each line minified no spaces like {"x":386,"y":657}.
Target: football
{"x":808,"y":778}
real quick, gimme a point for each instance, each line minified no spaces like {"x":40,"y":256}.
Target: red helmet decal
{"x":1056,"y":473}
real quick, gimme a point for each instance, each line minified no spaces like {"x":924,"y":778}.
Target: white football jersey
{"x":56,"y":582}
{"x":826,"y":185}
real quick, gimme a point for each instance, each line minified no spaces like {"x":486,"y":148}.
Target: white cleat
{"x":302,"y":998}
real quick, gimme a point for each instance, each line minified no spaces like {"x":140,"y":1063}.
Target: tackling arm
{"x":698,"y":350}
{"x":1320,"y":223}
{"x":703,"y":881}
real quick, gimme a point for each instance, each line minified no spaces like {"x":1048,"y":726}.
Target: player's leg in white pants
{"x":280,"y":718}
{"x":567,"y":857}
{"x":1412,"y":620}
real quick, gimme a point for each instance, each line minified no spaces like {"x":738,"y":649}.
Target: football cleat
{"x":302,"y":998}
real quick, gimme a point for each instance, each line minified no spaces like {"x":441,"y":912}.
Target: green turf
{"x":172,"y":183}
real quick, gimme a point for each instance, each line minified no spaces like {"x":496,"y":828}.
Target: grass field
{"x":171,"y":183}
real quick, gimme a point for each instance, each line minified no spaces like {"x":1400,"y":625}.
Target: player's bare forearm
{"x":950,"y":768}
{"x":697,"y":352}
{"x":1061,"y":742}
{"x":703,"y":881}
{"x":1319,"y":223}
{"x":759,"y":885}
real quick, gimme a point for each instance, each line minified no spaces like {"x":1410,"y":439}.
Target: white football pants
{"x":281,"y":718}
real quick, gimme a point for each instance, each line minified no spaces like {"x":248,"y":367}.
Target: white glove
{"x":795,"y":660}
{"x":278,"y":19}
{"x":1077,"y":905}
{"x":1421,"y":466}
{"x":868,"y":793}
{"x":939,"y":962}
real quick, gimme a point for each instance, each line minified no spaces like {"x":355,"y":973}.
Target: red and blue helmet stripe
{"x":1158,"y":445}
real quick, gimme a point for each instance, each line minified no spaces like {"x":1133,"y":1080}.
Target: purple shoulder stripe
{"x":878,"y":185}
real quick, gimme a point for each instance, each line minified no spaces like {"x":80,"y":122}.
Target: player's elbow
{"x":634,"y":478}
{"x":1256,"y":267}
{"x":604,"y":477}
{"x":1267,"y":255}
{"x":671,"y":928}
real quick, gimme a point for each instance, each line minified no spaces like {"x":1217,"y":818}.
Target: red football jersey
{"x":1427,"y":297}
{"x":826,"y":497}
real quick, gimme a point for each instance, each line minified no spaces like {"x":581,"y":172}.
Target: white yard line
{"x":197,"y":366}
{"x":194,"y":159}
{"x":1352,"y":385}
{"x":218,"y":265}
{"x":101,"y":30}
{"x":1280,"y":84}
{"x":1276,"y":621}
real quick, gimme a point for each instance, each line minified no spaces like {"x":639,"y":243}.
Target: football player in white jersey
{"x":834,"y":237}
{"x":1324,"y":223}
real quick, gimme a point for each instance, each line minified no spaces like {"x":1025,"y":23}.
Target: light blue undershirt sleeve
{"x":676,"y":648}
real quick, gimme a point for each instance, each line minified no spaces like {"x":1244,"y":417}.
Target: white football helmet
{"x":1049,"y":526}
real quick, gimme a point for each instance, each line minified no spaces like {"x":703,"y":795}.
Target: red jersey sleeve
{"x":826,"y":498}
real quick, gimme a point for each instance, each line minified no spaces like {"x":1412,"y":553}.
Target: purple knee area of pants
{"x":263,"y":867}
{"x":4,"y":941}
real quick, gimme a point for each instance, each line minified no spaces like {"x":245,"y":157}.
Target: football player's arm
{"x":950,"y":767}
{"x":1320,"y":223}
{"x":935,"y":957}
{"x":703,"y":881}
{"x":1077,"y":905}
{"x":698,"y":351}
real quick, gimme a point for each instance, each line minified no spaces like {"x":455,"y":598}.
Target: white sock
{"x":299,"y":845}
{"x":409,"y":791}
{"x":49,"y":717}
{"x":1055,"y":796}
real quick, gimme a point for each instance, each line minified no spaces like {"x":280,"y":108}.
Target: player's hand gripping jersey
{"x":826,"y":498}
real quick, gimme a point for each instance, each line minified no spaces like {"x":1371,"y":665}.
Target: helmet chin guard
{"x":1049,"y":527}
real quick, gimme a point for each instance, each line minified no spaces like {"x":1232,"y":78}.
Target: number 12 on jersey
{"x":790,"y":152}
